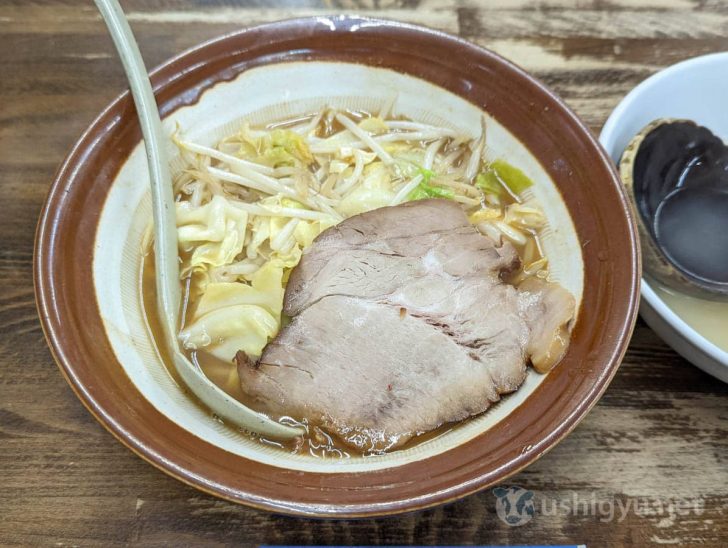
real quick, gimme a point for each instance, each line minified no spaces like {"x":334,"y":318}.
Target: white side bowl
{"x":695,"y":89}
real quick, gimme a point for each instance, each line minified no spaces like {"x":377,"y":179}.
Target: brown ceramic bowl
{"x":87,"y":260}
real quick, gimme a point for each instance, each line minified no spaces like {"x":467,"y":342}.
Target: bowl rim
{"x":607,"y":138}
{"x":478,"y":478}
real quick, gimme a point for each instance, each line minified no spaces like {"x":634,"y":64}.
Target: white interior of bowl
{"x":695,"y":90}
{"x":268,"y":94}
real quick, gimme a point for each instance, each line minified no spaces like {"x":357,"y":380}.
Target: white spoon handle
{"x":165,"y":233}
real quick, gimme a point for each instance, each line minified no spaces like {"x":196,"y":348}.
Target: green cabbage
{"x":426,"y":190}
{"x":224,"y":331}
{"x":488,"y":182}
{"x":279,"y":147}
{"x":214,"y":232}
{"x":238,"y":316}
{"x":375,"y":191}
{"x":500,"y":176}
{"x":283,"y":147}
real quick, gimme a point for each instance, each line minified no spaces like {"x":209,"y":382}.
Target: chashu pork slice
{"x":401,"y":323}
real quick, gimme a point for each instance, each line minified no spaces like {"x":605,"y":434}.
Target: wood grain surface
{"x":649,"y":465}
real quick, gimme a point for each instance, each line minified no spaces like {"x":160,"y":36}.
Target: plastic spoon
{"x":165,"y":234}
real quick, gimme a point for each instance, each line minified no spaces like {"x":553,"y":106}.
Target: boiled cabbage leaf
{"x":214,"y":233}
{"x":238,"y":316}
{"x":225,"y":331}
{"x":375,"y":191}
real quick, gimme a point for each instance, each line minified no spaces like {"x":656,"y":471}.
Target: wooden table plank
{"x":656,"y":439}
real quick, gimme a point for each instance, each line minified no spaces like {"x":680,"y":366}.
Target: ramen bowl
{"x":89,"y":256}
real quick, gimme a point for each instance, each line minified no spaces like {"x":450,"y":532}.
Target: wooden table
{"x":657,"y":441}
